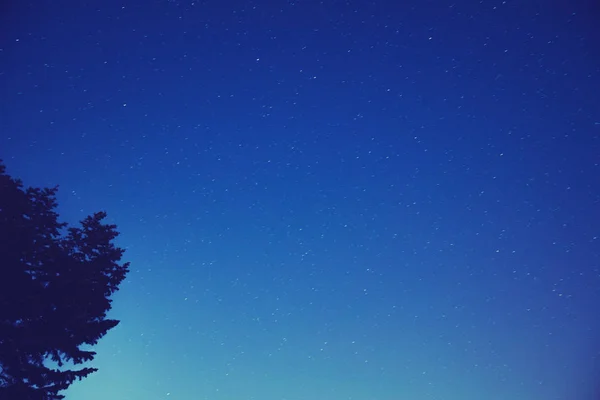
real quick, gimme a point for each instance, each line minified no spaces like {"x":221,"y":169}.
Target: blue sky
{"x":324,"y":200}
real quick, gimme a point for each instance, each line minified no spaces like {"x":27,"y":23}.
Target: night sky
{"x":337,"y":200}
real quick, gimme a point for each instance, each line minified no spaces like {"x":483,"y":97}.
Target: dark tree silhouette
{"x":55,"y":288}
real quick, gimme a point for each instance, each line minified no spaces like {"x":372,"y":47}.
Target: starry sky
{"x":336,"y":200}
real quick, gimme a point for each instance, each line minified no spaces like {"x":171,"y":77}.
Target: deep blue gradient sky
{"x":345,"y":200}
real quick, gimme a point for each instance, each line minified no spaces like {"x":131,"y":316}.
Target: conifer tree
{"x":55,"y":287}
